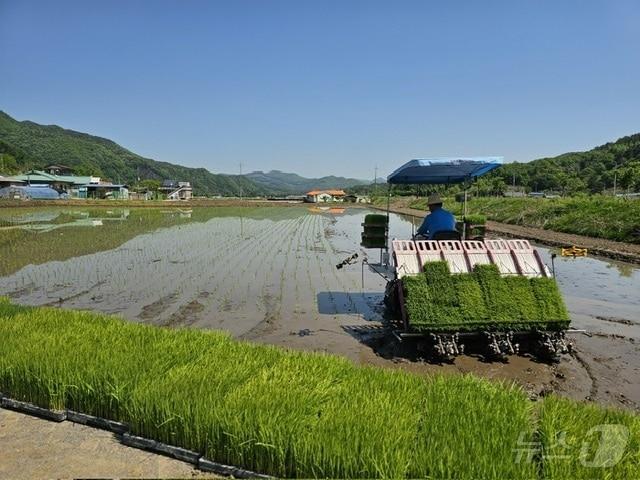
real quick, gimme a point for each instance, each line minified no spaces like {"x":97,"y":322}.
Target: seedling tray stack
{"x":374,"y":231}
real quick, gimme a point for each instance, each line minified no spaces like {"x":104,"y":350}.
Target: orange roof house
{"x":315,"y":196}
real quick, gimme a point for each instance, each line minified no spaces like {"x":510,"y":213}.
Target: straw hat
{"x":434,"y":199}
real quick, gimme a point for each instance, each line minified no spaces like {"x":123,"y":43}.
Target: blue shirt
{"x":437,"y":221}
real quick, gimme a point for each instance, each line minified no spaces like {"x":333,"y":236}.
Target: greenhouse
{"x":29,"y":193}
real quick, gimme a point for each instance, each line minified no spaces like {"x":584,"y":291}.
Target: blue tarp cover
{"x":443,"y":170}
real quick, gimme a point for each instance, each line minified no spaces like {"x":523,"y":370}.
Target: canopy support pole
{"x":388,"y":202}
{"x":385,"y":258}
{"x":464,"y":210}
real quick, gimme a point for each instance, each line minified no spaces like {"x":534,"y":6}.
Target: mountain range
{"x":292,"y":183}
{"x":28,"y":145}
{"x":603,"y":168}
{"x":25,"y":145}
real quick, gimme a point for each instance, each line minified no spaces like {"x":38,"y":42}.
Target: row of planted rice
{"x":199,"y":263}
{"x":295,"y":414}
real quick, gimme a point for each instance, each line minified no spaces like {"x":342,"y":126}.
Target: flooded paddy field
{"x":269,"y":274}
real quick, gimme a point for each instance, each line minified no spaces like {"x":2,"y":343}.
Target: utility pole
{"x":615,"y":181}
{"x":375,"y":179}
{"x":240,"y":180}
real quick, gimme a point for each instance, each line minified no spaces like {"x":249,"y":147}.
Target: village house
{"x":322,"y":196}
{"x":71,"y":185}
{"x":58,"y":170}
{"x":9,"y":182}
{"x":176,"y":190}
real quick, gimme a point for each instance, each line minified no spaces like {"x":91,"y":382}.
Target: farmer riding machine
{"x":455,"y":295}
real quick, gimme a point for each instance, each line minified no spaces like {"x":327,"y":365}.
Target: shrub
{"x":597,"y":216}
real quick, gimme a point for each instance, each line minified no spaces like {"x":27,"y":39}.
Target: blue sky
{"x":331,"y":87}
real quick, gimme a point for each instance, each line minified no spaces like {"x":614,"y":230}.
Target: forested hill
{"x":291,"y":183}
{"x":30,"y":145}
{"x":591,"y":171}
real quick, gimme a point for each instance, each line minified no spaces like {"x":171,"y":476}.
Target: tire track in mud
{"x":593,"y":391}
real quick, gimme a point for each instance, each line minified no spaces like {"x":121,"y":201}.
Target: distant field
{"x":596,"y":216}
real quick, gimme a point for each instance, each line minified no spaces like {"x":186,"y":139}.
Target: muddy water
{"x":243,"y":273}
{"x":269,"y":274}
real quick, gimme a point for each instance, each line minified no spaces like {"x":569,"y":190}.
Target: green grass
{"x":439,"y":301}
{"x":277,"y":411}
{"x":594,"y":216}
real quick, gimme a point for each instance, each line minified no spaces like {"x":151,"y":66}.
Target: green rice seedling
{"x":580,"y":440}
{"x":27,"y":369}
{"x":269,"y":417}
{"x":437,"y":300}
{"x":367,"y":428}
{"x":520,"y":302}
{"x":375,"y":219}
{"x":282,"y":412}
{"x":500,"y":417}
{"x":550,"y":304}
{"x":160,"y":409}
{"x":500,"y":302}
{"x":120,"y":365}
{"x":471,"y":301}
{"x":444,"y":302}
{"x":475,"y":218}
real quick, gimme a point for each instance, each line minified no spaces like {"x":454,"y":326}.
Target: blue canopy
{"x":443,"y":170}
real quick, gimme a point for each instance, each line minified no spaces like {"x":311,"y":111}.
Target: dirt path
{"x":627,"y":252}
{"x":69,"y":450}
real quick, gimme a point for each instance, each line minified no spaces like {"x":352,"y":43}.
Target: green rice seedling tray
{"x":373,"y":219}
{"x":438,"y":301}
